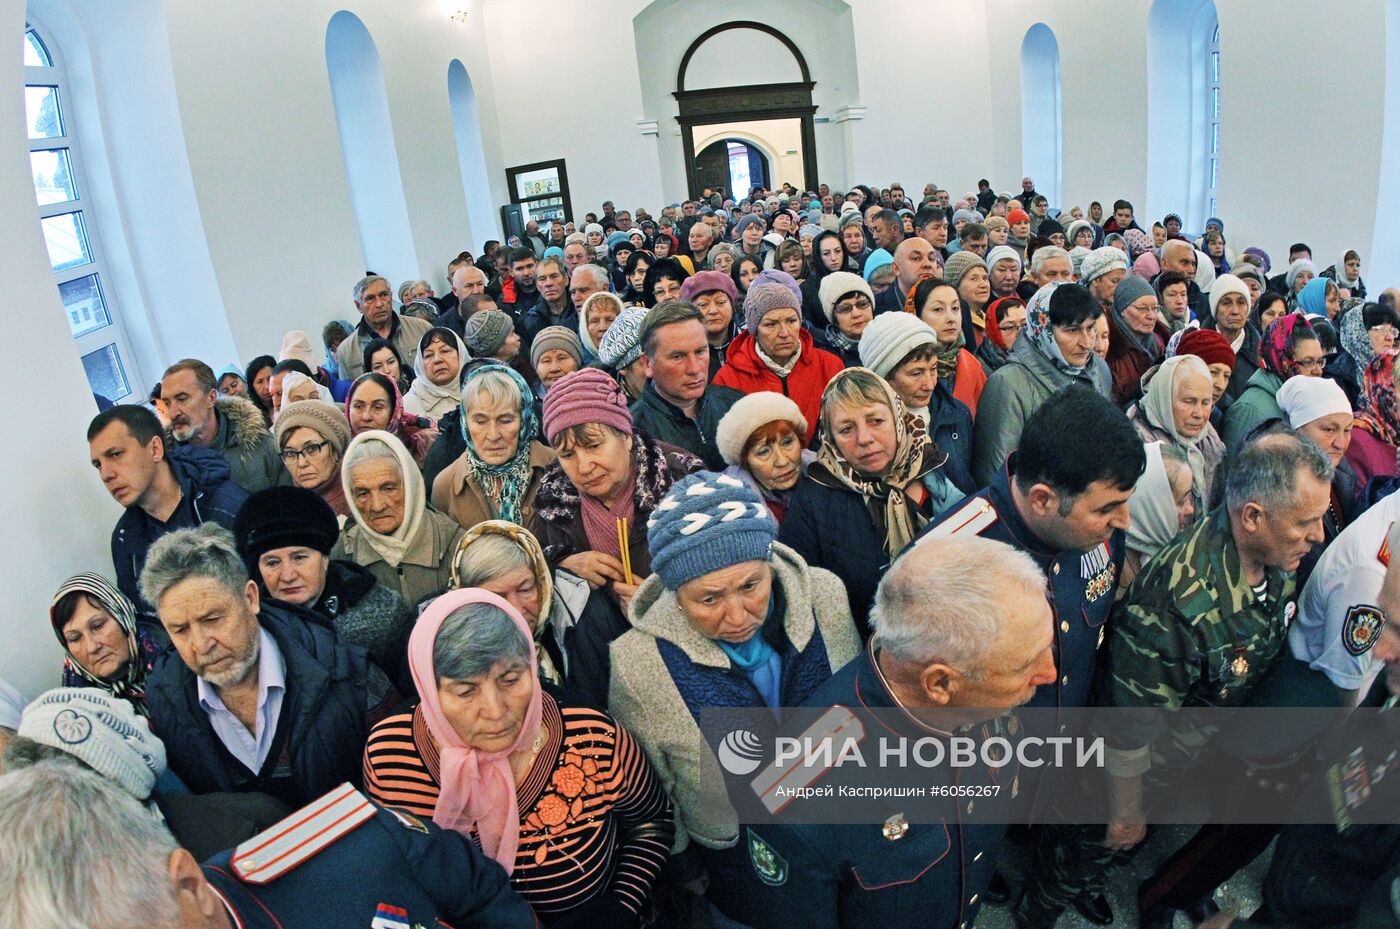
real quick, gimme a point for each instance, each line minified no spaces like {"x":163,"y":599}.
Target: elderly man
{"x":252,"y":697}
{"x":698,"y":241}
{"x":578,"y":252}
{"x":943,"y":641}
{"x":1004,"y":269}
{"x":231,"y":426}
{"x":467,"y":281}
{"x":81,"y":852}
{"x":1178,"y":255}
{"x":914,"y":260}
{"x":887,"y":230}
{"x":679,"y":406}
{"x":585,"y":281}
{"x":1028,"y":191}
{"x":553,"y":307}
{"x":375,"y":301}
{"x":1204,"y":625}
{"x":1101,"y":271}
{"x":1050,"y":264}
{"x":163,"y":489}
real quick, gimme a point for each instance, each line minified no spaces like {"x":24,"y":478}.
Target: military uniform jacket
{"x":1191,"y":633}
{"x":343,"y":861}
{"x":895,"y":873}
{"x":1080,"y":585}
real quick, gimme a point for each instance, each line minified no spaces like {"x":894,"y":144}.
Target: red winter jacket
{"x":1128,"y":363}
{"x":744,"y":370}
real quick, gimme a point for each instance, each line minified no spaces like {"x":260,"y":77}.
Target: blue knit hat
{"x":707,"y":522}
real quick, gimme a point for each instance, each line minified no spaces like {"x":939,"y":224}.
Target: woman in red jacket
{"x":775,"y":353}
{"x":937,"y":303}
{"x":1137,"y":337}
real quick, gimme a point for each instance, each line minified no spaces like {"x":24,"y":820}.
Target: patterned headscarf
{"x":1139,"y":243}
{"x":504,"y":485}
{"x":401,"y":424}
{"x":131,"y":685}
{"x":947,"y":358}
{"x":1378,"y":414}
{"x":1039,"y":332}
{"x":910,"y":462}
{"x":1277,"y":347}
{"x":1355,"y":339}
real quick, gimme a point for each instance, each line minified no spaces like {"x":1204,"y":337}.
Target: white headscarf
{"x":1157,"y":407}
{"x":1152,"y":519}
{"x":390,"y":547}
{"x":294,"y":379}
{"x":424,"y":397}
{"x":1342,"y":280}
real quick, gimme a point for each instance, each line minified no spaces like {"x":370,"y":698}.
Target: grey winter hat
{"x":487,"y":331}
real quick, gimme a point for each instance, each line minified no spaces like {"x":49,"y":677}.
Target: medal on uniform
{"x":1240,"y":666}
{"x":895,"y":827}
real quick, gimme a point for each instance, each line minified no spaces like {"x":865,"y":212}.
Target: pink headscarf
{"x":477,"y":788}
{"x":1147,"y":266}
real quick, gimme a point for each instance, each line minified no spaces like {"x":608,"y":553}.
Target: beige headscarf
{"x":1157,"y":407}
{"x":390,"y":547}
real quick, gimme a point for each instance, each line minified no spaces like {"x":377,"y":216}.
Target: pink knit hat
{"x":585,"y":396}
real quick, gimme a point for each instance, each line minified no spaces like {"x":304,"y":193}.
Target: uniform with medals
{"x":344,"y":861}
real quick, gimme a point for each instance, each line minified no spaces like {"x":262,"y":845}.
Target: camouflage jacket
{"x":1190,"y":633}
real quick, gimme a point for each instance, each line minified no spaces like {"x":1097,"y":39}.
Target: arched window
{"x":1183,"y":103}
{"x":1041,"y":144}
{"x":75,"y":255}
{"x":466,"y":126}
{"x":1213,"y":153}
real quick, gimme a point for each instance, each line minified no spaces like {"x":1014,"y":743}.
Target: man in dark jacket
{"x":253,"y":697}
{"x":679,"y":406}
{"x":231,"y":426}
{"x":163,"y":489}
{"x":553,"y":307}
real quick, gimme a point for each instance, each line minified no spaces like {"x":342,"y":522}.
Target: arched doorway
{"x":734,"y":164}
{"x":787,"y":102}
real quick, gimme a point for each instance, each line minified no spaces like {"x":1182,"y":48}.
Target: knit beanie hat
{"x":850,"y":217}
{"x":877,"y":260}
{"x":325,"y":419}
{"x":1076,"y":259}
{"x":997,"y":253}
{"x":1049,"y":227}
{"x":230,"y":370}
{"x":960,"y":264}
{"x":704,"y":282}
{"x":1129,"y":290}
{"x":708,"y":522}
{"x":848,"y":208}
{"x":748,"y":414}
{"x":296,"y":346}
{"x":280,"y":517}
{"x":964,"y":214}
{"x":838,"y":284}
{"x":809,"y":230}
{"x":585,"y":396}
{"x":1304,"y":399}
{"x":591,"y":228}
{"x":889,"y":337}
{"x":1244,"y":269}
{"x":774,"y":276}
{"x":1018,"y":216}
{"x":1072,"y":232}
{"x":765,"y":297}
{"x":1207,"y":345}
{"x":749,"y":219}
{"x":487,"y":331}
{"x":1101,"y":261}
{"x":1227,"y":284}
{"x":552,"y":337}
{"x":101,"y":731}
{"x":617,"y":238}
{"x":622,"y":343}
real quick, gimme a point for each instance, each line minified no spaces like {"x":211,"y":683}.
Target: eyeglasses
{"x":1385,"y":329}
{"x":1308,"y":364}
{"x":308,"y":451}
{"x":1009,"y":328}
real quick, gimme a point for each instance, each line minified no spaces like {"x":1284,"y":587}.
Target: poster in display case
{"x":542,"y":191}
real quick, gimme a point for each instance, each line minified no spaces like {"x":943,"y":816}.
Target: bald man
{"x":1180,"y":256}
{"x":467,"y":281}
{"x":914,"y":260}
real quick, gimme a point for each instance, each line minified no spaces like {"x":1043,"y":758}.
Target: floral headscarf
{"x":504,"y":485}
{"x":1277,"y":346}
{"x":1378,"y":414}
{"x":1355,"y":339}
{"x":131,"y":685}
{"x":1039,"y":332}
{"x":911,"y":461}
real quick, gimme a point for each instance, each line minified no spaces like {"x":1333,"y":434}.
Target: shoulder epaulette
{"x":972,"y":519}
{"x":301,"y":836}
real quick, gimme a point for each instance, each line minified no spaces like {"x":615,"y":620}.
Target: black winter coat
{"x":652,"y":415}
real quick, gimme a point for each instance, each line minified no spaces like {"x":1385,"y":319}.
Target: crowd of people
{"x":419,"y":624}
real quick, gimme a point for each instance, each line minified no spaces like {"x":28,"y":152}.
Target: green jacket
{"x":1257,"y":404}
{"x":1190,"y":633}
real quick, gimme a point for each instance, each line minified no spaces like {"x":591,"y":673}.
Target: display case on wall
{"x":542,"y":191}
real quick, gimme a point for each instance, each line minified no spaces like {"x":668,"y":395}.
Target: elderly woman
{"x":405,"y":544}
{"x":1006,"y":317}
{"x":847,"y":306}
{"x":877,"y":476}
{"x":1162,"y":505}
{"x":1377,"y":433}
{"x":1365,"y":329}
{"x":436,"y":369}
{"x":599,"y":311}
{"x":937,"y":303}
{"x":555,"y":352}
{"x":374,"y":403}
{"x":1319,"y":409}
{"x":311,"y":437}
{"x":1175,"y":408}
{"x":714,"y":294}
{"x":104,"y":644}
{"x":296,"y":387}
{"x":1299,"y":273}
{"x":1137,"y":337}
{"x":572,"y":623}
{"x":1289,"y":348}
{"x":558,"y":795}
{"x":1347,"y":273}
{"x":775,"y":352}
{"x":285,"y":536}
{"x":1319,"y":298}
{"x":1056,"y":349}
{"x":498,"y":474}
{"x":664,"y":280}
{"x":730,"y":619}
{"x":605,"y":474}
{"x":761,"y":441}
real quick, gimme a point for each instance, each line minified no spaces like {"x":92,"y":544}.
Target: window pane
{"x":53,"y":176}
{"x":1214,"y":172}
{"x":86,"y":308}
{"x":1214,"y":138}
{"x":106,"y":374}
{"x":41,"y":112}
{"x":1215,"y":67}
{"x":1215,"y":103}
{"x":35,"y":55}
{"x":67,"y":241}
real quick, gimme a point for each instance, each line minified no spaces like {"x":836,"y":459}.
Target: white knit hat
{"x":889,"y":337}
{"x":1227,"y":284}
{"x":836,"y":285}
{"x":296,"y":346}
{"x":101,"y":731}
{"x":1101,"y":261}
{"x":1305,"y":399}
{"x":999,"y":252}
{"x":748,"y":414}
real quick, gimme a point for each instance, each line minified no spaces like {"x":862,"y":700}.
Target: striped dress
{"x":594,"y":818}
